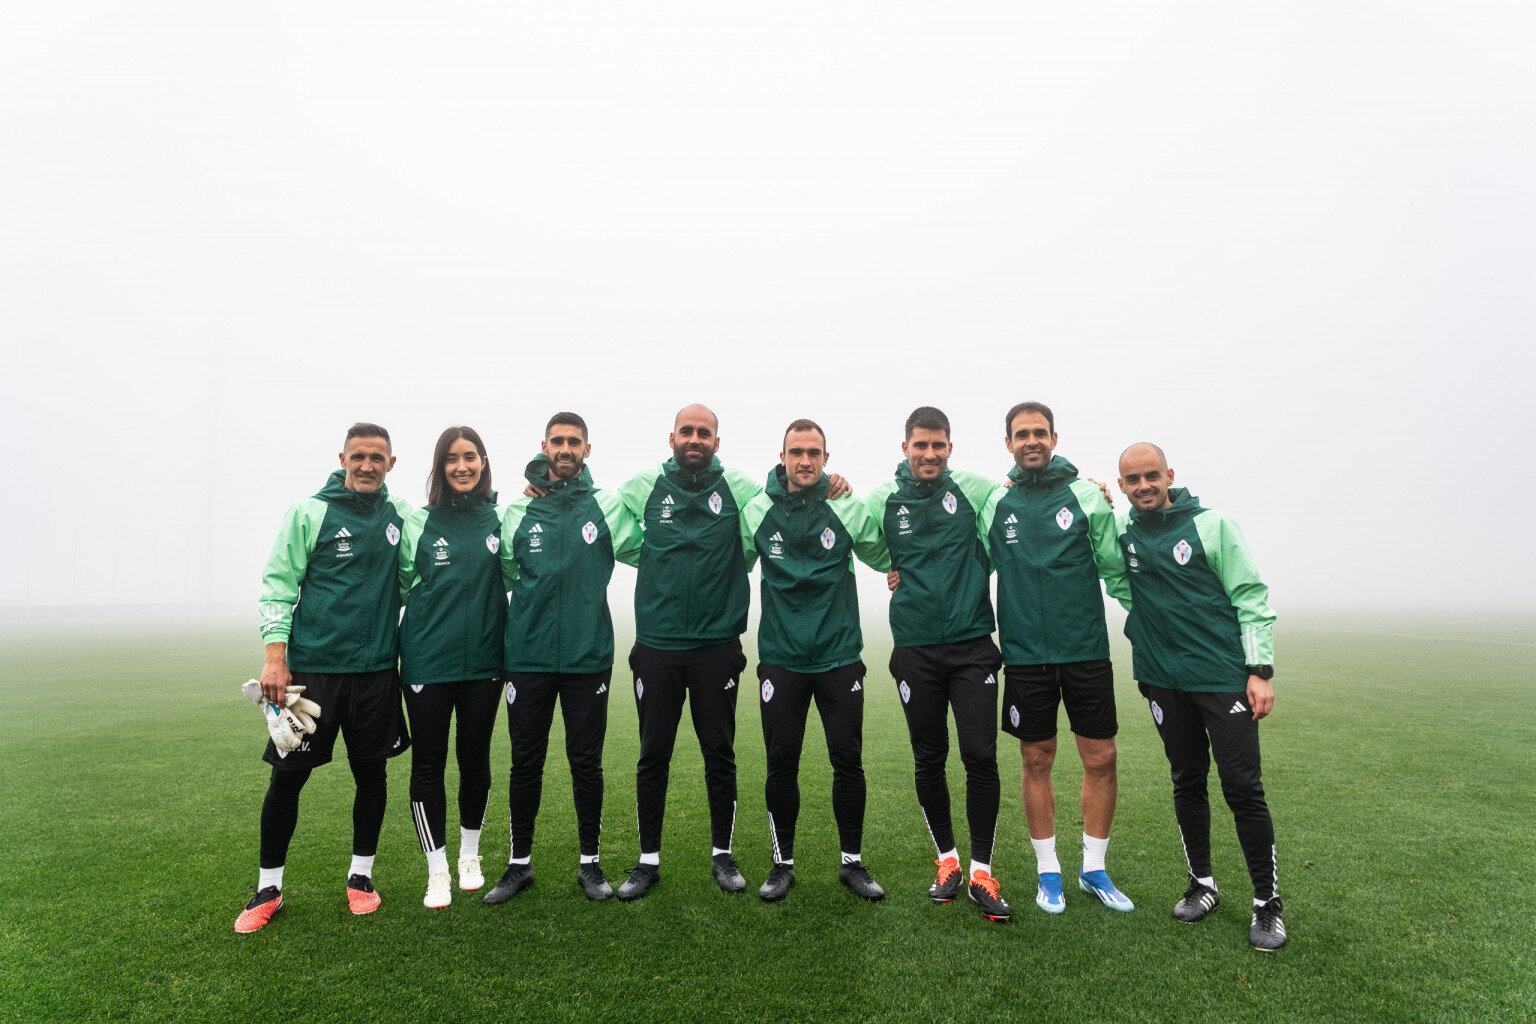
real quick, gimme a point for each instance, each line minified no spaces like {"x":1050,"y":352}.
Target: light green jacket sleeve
{"x":984,"y":520}
{"x":1227,"y":553}
{"x":875,"y":503}
{"x":637,"y":489}
{"x":410,"y":536}
{"x":981,"y":491}
{"x":743,"y":488}
{"x":286,"y":566}
{"x":623,"y":526}
{"x":511,"y":519}
{"x":868,"y":538}
{"x":752,"y":515}
{"x":1104,"y":535}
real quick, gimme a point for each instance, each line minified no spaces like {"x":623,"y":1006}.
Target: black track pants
{"x":1194,"y":726}
{"x":280,"y":810}
{"x":530,"y":712}
{"x":708,"y":679}
{"x":784,"y":698}
{"x":432,"y":707}
{"x":962,"y":678}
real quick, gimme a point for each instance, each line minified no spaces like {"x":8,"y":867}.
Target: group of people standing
{"x":347,"y":558}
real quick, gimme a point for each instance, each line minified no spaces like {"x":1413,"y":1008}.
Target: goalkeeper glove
{"x":289,"y":722}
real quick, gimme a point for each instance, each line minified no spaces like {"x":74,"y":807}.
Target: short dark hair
{"x":569,"y":419}
{"x":805,"y":425}
{"x":928,"y":418}
{"x":367,"y":430}
{"x":1035,"y":407}
{"x":438,"y":491}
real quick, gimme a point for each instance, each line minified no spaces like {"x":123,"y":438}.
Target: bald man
{"x":691,"y":601}
{"x":1202,"y":647}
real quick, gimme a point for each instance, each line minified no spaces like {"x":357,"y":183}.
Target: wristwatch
{"x":1262,"y":671}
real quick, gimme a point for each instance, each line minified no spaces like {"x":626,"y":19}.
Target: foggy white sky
{"x":1291,"y":243}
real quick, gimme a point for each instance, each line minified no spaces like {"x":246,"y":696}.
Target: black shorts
{"x":1031,"y":694}
{"x":364,"y":706}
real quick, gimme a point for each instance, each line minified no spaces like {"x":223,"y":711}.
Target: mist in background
{"x":1292,"y":245}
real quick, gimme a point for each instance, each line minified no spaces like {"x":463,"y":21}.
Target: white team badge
{"x":440,"y":550}
{"x":767,"y":690}
{"x":393,"y":533}
{"x":828,"y":538}
{"x":639,"y":688}
{"x":511,"y":692}
{"x":493,"y":542}
{"x":715,"y":503}
{"x":949,"y":502}
{"x":416,"y":688}
{"x":1013,"y":715}
{"x":1064,"y":518}
{"x":906,"y":691}
{"x":589,"y":532}
{"x":1157,"y":713}
{"x":1182,"y":551}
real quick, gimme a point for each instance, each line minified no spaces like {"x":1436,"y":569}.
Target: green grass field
{"x":1397,"y":765}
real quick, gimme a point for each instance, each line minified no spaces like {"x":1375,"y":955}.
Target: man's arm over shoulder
{"x":410,"y":537}
{"x":868,"y":537}
{"x":636,"y":491}
{"x":743,"y":487}
{"x":1104,"y":534}
{"x":511,"y":518}
{"x":1226,"y":551}
{"x":623,"y":526}
{"x":752,"y":515}
{"x":977,"y":487}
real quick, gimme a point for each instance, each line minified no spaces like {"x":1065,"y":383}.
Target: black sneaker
{"x":856,"y":877}
{"x":514,"y":880}
{"x":1267,"y":933}
{"x":947,"y":885}
{"x":984,"y":892}
{"x":1199,"y":900}
{"x":777,"y":884}
{"x":641,"y":878}
{"x":727,"y":874}
{"x":593,"y":882}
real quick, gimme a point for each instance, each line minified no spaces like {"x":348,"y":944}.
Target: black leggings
{"x":280,"y":810}
{"x":432,"y":710}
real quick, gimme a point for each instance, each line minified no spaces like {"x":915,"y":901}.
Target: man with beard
{"x":1202,"y":647}
{"x":690,"y":611}
{"x":557,"y":555}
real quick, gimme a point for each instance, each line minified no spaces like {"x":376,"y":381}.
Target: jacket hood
{"x":693,"y":479}
{"x":537,"y":473}
{"x":909,"y":486}
{"x":335,"y":489}
{"x":1184,"y":503}
{"x":1055,"y":471}
{"x":778,"y":488}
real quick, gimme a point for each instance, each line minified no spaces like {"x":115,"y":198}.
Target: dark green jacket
{"x":932,"y":530}
{"x":1051,"y":537}
{"x":692,"y":588}
{"x":810,"y":604}
{"x":330,"y":586}
{"x":557,"y":556}
{"x":455,"y":603}
{"x":1199,"y":612}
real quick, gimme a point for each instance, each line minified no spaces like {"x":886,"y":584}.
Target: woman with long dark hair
{"x":451,"y":651}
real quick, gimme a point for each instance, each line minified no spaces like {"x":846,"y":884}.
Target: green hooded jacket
{"x":1199,"y":612}
{"x":932,"y":530}
{"x":810,"y":603}
{"x":329,"y":590}
{"x":692,"y":587}
{"x":557,"y":556}
{"x":455,"y":603}
{"x":1051,"y":537}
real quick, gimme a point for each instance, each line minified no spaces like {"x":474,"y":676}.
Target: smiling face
{"x":695,"y":437}
{"x":567,"y":450}
{"x":1145,"y":477}
{"x":366,"y":461}
{"x":1031,"y":440}
{"x":804,"y":458}
{"x":927,"y":452}
{"x":463,"y":466}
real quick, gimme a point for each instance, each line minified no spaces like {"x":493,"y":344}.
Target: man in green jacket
{"x":330,"y":613}
{"x":941,"y":621}
{"x":1202,"y":647}
{"x":809,"y":646}
{"x":557,"y":556}
{"x":1051,"y":537}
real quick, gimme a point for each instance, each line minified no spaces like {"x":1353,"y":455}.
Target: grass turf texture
{"x":1396,"y":765}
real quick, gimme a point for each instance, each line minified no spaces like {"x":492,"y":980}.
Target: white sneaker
{"x":470,"y":877}
{"x":439,"y":890}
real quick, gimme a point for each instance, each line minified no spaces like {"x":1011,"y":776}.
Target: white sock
{"x":716,"y":851}
{"x":653,"y":859}
{"x":1045,"y":856}
{"x":1258,"y":902}
{"x":437,"y":860}
{"x":1208,"y":882}
{"x":953,"y":855}
{"x":361,"y":866}
{"x":790,"y":862}
{"x":469,"y":842}
{"x":1093,"y":852}
{"x":269,"y":876}
{"x":589,"y":858}
{"x":977,"y":865}
{"x":521,"y":860}
{"x":852,"y":858}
